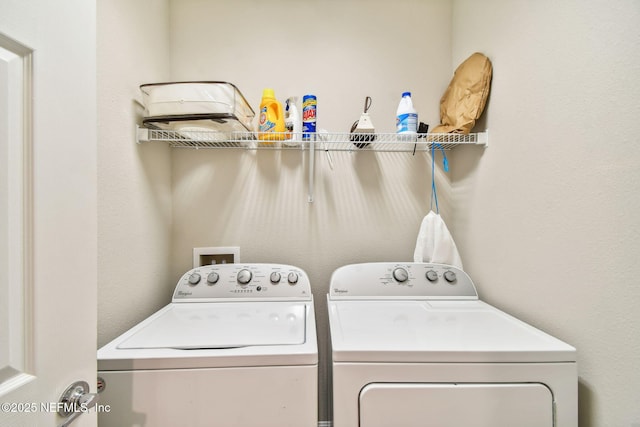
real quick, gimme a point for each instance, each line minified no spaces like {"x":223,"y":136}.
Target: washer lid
{"x":221,"y":325}
{"x":437,"y":331}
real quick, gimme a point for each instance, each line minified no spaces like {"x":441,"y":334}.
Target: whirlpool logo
{"x":340,"y":291}
{"x":184,"y":294}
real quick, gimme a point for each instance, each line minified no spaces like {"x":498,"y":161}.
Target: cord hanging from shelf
{"x":445,"y":166}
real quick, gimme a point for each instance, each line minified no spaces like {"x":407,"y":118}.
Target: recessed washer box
{"x":216,"y":255}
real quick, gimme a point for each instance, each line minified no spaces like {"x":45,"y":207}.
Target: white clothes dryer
{"x":236,"y":346}
{"x":412,"y":345}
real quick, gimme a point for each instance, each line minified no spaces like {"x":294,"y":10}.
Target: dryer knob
{"x":213,"y":278}
{"x":244,"y":276}
{"x":449,"y":276}
{"x":292,"y":278}
{"x":194,"y":278}
{"x":400,"y":274}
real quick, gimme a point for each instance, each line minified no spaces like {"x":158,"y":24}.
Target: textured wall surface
{"x":134,"y":188}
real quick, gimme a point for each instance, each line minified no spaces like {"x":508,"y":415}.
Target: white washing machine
{"x":236,"y":346}
{"x":412,"y":345}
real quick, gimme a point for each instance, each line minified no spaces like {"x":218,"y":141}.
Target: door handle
{"x":75,"y":401}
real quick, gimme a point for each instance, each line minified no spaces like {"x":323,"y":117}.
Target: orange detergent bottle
{"x":271,"y":121}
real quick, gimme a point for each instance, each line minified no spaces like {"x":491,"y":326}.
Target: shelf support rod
{"x":312,"y":156}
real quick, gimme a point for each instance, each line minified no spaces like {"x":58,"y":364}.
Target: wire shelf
{"x":324,"y":141}
{"x":380,"y":142}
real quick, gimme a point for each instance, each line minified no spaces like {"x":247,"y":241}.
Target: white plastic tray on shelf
{"x":196,"y":106}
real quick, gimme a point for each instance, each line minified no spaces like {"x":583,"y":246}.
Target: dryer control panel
{"x":230,"y":282}
{"x":394,"y":280}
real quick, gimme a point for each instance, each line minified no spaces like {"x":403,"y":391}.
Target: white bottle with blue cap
{"x":406,"y":116}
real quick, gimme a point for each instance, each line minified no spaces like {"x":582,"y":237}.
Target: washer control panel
{"x":390,"y":280}
{"x":242,"y":282}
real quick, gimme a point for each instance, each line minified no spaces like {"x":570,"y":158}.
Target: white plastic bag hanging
{"x":435,"y":244}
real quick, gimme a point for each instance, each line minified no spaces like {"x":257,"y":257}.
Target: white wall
{"x":546,"y":217}
{"x":134,"y":206}
{"x":369,"y":207}
{"x":339,"y":50}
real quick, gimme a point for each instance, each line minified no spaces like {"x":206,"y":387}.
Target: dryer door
{"x":455,"y":405}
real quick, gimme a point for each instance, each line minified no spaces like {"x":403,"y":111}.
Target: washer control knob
{"x":194,"y":278}
{"x":400,"y":274}
{"x":244,"y":276}
{"x":432,"y":276}
{"x":275,"y":277}
{"x":213,"y":278}
{"x":292,"y":278}
{"x":449,"y":276}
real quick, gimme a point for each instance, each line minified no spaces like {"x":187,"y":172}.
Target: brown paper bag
{"x":464,"y":100}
